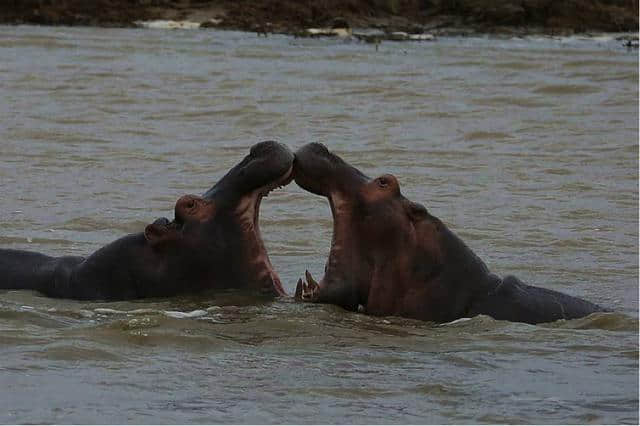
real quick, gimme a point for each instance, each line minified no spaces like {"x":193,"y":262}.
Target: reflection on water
{"x":526,"y":148}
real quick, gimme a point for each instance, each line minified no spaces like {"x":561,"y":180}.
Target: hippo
{"x":390,"y":257}
{"x":213,"y":242}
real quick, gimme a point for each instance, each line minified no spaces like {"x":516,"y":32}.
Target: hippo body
{"x":513,"y":300}
{"x":390,"y":256}
{"x":214,"y":242}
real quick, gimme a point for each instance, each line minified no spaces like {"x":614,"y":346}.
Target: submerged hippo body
{"x":389,"y":256}
{"x":213,"y":242}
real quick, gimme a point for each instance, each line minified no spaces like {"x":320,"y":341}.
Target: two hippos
{"x":388,"y":256}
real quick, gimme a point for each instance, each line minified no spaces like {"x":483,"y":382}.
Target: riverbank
{"x":439,"y":17}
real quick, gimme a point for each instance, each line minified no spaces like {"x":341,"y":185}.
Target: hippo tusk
{"x":310,"y":279}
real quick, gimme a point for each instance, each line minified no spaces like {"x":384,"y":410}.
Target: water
{"x":528,"y":149}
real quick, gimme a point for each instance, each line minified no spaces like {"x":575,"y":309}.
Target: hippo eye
{"x":383,"y":182}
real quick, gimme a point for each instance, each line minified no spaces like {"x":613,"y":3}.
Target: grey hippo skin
{"x":389,"y":256}
{"x":213,"y":242}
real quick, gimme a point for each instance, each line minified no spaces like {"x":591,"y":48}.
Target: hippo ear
{"x":417,"y":212}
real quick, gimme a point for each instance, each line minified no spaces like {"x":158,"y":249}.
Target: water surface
{"x":528,"y":149}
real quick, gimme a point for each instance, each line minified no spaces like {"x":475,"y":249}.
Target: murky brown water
{"x":527,"y":148}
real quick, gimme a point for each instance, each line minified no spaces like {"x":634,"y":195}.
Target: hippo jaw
{"x":219,"y":232}
{"x":346,"y":272}
{"x":247,"y":215}
{"x":268,"y":166}
{"x":321,"y":172}
{"x":385,"y":248}
{"x":267,"y":163}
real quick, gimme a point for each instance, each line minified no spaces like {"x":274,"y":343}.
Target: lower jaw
{"x":271,"y":285}
{"x":266,"y":281}
{"x":269,"y":281}
{"x":260,"y":273}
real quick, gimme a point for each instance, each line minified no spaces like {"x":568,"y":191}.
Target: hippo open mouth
{"x":268,"y":166}
{"x":248,"y":215}
{"x":321,"y":172}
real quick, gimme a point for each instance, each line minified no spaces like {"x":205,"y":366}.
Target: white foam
{"x":459,"y":320}
{"x":107,"y":311}
{"x":168,"y":24}
{"x":193,"y":314}
{"x":328,"y":32}
{"x":422,"y":37}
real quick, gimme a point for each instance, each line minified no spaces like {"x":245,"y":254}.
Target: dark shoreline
{"x":438,"y":17}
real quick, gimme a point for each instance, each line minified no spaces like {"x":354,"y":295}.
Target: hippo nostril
{"x":262,"y":148}
{"x":319,"y":148}
{"x":191,"y":204}
{"x":383,"y":182}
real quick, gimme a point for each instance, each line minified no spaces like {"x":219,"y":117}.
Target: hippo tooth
{"x":310,"y":279}
{"x":298,"y":294}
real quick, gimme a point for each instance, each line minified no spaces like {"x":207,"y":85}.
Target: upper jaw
{"x":321,"y":172}
{"x":267,"y":163}
{"x":279,"y":182}
{"x":248,"y":206}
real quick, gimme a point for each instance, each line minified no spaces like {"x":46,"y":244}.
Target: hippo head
{"x":388,"y":255}
{"x":215,"y":239}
